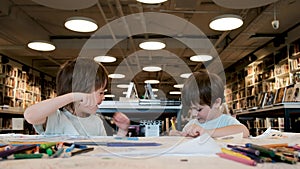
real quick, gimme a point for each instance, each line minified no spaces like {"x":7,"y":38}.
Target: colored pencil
{"x":237,"y":159}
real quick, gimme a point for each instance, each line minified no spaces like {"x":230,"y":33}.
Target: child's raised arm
{"x":38,"y":113}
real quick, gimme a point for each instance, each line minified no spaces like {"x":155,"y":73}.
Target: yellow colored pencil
{"x":230,"y":152}
{"x":173,"y":124}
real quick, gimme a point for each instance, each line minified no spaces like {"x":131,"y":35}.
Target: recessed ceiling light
{"x":175,"y":92}
{"x":116,"y":76}
{"x":41,"y":46}
{"x":152,"y":68}
{"x":154,"y":90}
{"x":109,"y":95}
{"x":123,"y":86}
{"x":151,"y":1}
{"x":104,"y":59}
{"x":152,"y":81}
{"x":152,"y":45}
{"x":178,"y":86}
{"x":185,"y":75}
{"x":226,"y":22}
{"x":125,"y":93}
{"x":201,"y":58}
{"x":81,"y":24}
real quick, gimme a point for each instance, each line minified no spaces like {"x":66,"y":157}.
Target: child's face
{"x":199,"y":112}
{"x":202,"y":113}
{"x":98,"y":95}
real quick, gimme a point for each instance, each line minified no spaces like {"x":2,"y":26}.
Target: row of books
{"x":286,"y":94}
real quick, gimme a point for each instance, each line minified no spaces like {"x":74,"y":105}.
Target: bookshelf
{"x":271,"y":85}
{"x":235,"y":90}
{"x":20,"y":88}
{"x":284,"y":117}
{"x":12,"y":121}
{"x":264,"y":76}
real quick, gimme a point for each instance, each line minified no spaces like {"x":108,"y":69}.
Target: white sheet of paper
{"x":203,"y":145}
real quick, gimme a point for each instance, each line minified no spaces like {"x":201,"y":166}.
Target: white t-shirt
{"x":222,"y":121}
{"x":65,"y":123}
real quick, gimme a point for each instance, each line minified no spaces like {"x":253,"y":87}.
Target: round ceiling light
{"x":185,"y":75}
{"x":116,"y":76}
{"x":81,"y":24}
{"x":201,"y":58}
{"x":151,"y":68}
{"x":151,"y":1}
{"x":109,"y":95}
{"x":41,"y":46}
{"x":151,"y":81}
{"x":152,"y":45}
{"x":122,"y":86}
{"x":226,"y":22}
{"x":104,"y":59}
{"x":154,"y":90}
{"x":178,"y":86}
{"x":175,"y":92}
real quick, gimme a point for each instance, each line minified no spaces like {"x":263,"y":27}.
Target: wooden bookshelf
{"x":286,"y":114}
{"x":20,"y":88}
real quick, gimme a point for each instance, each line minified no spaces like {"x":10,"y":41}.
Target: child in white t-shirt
{"x":203,"y":93}
{"x":80,"y":89}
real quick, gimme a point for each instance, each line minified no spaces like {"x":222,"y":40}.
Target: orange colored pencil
{"x":276,"y":145}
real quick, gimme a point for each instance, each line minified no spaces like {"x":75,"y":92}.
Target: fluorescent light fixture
{"x":151,"y":81}
{"x":104,"y":59}
{"x":185,"y":75}
{"x":152,"y":45}
{"x":151,"y":1}
{"x":116,"y":76}
{"x":154,"y":90}
{"x":81,"y":24}
{"x":151,"y":68}
{"x":41,"y":46}
{"x":122,"y":86}
{"x":201,"y":58}
{"x":109,"y":95}
{"x":125,"y":93}
{"x":178,"y":86}
{"x":175,"y":92}
{"x":226,"y":22}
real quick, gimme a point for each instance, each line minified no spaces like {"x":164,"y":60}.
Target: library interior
{"x":149,"y":93}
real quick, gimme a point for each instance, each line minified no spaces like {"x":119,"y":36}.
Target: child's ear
{"x":217,"y":103}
